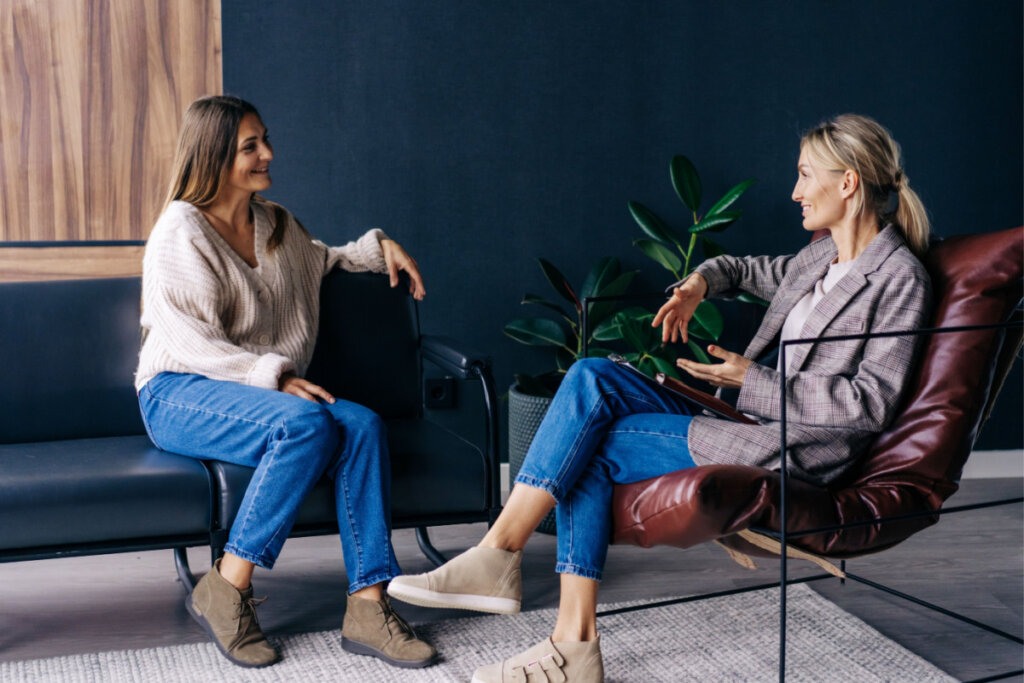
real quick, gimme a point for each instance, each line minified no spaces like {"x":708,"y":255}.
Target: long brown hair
{"x":861,"y":144}
{"x":206,"y":149}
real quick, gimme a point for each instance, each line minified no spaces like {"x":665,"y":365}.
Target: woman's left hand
{"x":728,"y":374}
{"x":396,"y":260}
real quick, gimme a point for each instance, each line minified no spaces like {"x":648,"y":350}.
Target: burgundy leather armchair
{"x":912,"y":467}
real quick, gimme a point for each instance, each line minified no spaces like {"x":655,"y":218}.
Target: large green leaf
{"x":661,"y":254}
{"x":686,"y":181}
{"x":665,"y":366}
{"x":540,"y":301}
{"x":652,"y":225}
{"x":598,"y":352}
{"x":711,"y":248}
{"x":536,"y":332}
{"x":602,"y":309}
{"x":751,"y":299}
{"x":564,"y":358}
{"x":633,"y":333}
{"x":709,"y":319}
{"x":698,"y":352}
{"x":559,"y":282}
{"x":716,"y":223}
{"x":610,"y":329}
{"x":603,"y":272}
{"x":731,"y":196}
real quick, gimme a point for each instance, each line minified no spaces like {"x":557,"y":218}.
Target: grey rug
{"x":731,"y":638}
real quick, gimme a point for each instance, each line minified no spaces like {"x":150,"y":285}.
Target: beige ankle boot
{"x":372,"y":627}
{"x":481,"y":579}
{"x":228,"y":615}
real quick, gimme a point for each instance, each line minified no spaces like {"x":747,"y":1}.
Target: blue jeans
{"x":605,"y":426}
{"x":291,"y":442}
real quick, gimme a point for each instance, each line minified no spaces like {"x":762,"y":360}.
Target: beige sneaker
{"x":480,"y":579}
{"x":373,"y":628}
{"x":548,"y":661}
{"x":228,"y":615}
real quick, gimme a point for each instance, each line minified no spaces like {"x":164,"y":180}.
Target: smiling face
{"x":250,"y":171}
{"x":819,"y":191}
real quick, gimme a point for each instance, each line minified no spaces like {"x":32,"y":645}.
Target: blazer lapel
{"x":887,"y":241}
{"x":810,"y":268}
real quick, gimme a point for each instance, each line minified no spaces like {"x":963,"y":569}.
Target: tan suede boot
{"x":567,"y":662}
{"x":481,"y":579}
{"x":372,"y":627}
{"x":228,"y":615}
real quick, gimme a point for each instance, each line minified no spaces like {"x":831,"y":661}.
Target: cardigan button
{"x":264,"y":339}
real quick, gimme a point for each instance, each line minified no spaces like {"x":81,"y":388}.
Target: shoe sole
{"x":425,"y":597}
{"x":201,"y":620}
{"x":357,"y":648}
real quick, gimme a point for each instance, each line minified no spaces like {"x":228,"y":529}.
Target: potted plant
{"x":530,"y":395}
{"x":674,"y":250}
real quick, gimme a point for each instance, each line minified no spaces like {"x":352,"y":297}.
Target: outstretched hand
{"x":678,"y":310}
{"x":397,"y":259}
{"x":728,"y":374}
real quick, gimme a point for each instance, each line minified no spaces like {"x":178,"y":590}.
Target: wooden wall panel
{"x":91,"y":95}
{"x":19,"y":264}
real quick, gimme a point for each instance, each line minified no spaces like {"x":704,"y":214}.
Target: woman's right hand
{"x":677,"y":311}
{"x":296,"y":386}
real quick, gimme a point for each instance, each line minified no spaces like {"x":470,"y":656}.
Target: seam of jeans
{"x":271,"y":452}
{"x":543,"y":484}
{"x":351,"y":521}
{"x":667,"y":435}
{"x":259,"y":560}
{"x":576,"y":570}
{"x":184,"y":406}
{"x":379,"y":577}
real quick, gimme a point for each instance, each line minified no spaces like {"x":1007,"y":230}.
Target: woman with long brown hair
{"x":230,"y":314}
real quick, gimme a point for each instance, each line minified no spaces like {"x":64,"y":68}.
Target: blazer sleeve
{"x":729,"y":276}
{"x":868,"y":397}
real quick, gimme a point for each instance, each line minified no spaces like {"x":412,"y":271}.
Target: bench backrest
{"x":68,"y":351}
{"x":367,"y":350}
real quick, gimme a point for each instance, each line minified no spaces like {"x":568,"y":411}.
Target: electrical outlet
{"x":439,"y":393}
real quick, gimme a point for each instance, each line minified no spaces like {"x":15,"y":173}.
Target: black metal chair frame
{"x":784,"y":535}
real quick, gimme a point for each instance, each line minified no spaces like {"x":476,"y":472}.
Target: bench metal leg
{"x":185,"y":575}
{"x":428,"y":549}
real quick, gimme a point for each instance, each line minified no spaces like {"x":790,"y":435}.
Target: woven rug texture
{"x":733,"y":638}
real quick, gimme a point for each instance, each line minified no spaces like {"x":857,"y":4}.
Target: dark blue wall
{"x":484,"y":134}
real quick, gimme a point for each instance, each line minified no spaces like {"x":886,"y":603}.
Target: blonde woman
{"x":230,"y":312}
{"x":606,"y":426}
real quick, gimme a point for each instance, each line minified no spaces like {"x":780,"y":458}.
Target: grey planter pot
{"x":525,"y":413}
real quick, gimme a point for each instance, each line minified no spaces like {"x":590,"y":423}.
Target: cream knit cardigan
{"x":205,"y":311}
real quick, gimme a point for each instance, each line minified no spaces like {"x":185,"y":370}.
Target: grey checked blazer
{"x":839,"y":395}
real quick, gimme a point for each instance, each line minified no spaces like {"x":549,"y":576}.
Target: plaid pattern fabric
{"x":839,"y":394}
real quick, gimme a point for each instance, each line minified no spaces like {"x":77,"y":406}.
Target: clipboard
{"x":704,"y":400}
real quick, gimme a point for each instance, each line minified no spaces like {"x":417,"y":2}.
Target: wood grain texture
{"x":19,"y":264}
{"x":91,"y":95}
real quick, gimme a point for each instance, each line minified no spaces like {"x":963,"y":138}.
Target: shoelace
{"x":249,"y":605}
{"x":390,"y":615}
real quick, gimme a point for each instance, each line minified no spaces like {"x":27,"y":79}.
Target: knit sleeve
{"x":363,"y":254}
{"x":182,"y":296}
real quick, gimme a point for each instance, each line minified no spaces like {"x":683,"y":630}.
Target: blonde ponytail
{"x":861,"y":144}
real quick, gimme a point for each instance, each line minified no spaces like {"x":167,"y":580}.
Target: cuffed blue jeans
{"x":291,"y":442}
{"x":605,"y":426}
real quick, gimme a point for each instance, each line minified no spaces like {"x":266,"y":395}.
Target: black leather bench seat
{"x":98,"y":490}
